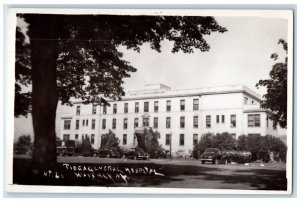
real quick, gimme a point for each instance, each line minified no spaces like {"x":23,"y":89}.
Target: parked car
{"x":65,"y":147}
{"x":109,"y":152}
{"x":136,"y":153}
{"x":212,"y":155}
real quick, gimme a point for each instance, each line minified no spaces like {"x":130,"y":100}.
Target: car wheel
{"x":203,"y":162}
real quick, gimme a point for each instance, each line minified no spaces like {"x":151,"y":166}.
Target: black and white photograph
{"x":197,"y":101}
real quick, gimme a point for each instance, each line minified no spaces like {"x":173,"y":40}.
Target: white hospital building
{"x":180,"y":116}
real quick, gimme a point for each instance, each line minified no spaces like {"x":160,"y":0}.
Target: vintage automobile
{"x":212,"y":155}
{"x":109,"y":152}
{"x":65,"y":147}
{"x":136,"y":153}
{"x":216,"y":156}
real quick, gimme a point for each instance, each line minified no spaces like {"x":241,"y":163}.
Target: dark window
{"x":67,"y":124}
{"x":233,"y":121}
{"x":115,"y":108}
{"x":87,"y":122}
{"x":126,"y":108}
{"x":168,"y":139}
{"x":77,"y":124}
{"x":218,"y":119}
{"x":253,"y":120}
{"x":208,"y":121}
{"x":195,"y":122}
{"x":168,"y":105}
{"x":181,"y":139}
{"x":223,"y":118}
{"x":83,"y":122}
{"x":114,"y":123}
{"x":156,"y":106}
{"x":136,"y":107}
{"x":267,"y":120}
{"x":195,"y":139}
{"x":155,"y":122}
{"x":124,"y":139}
{"x":92,"y":139}
{"x":94,"y":109}
{"x":146,"y":106}
{"x":136,"y":122}
{"x":168,"y":122}
{"x":93,"y":123}
{"x":76,"y":136}
{"x":66,"y":137}
{"x":104,"y":109}
{"x":146,"y":122}
{"x":182,"y":105}
{"x":195,"y":104}
{"x":77,"y":110}
{"x":125,"y":124}
{"x":182,"y":122}
{"x":103,"y":123}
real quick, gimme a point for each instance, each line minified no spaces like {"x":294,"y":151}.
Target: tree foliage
{"x":109,"y":139}
{"x":86,"y":146}
{"x":276,"y":97}
{"x":149,"y":143}
{"x":24,"y":142}
{"x":241,"y":143}
{"x":223,"y":141}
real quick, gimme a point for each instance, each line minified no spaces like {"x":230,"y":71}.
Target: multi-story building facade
{"x":180,"y":116}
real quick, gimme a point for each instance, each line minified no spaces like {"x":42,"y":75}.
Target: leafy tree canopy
{"x":276,"y":97}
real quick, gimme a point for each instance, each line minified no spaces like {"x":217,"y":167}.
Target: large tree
{"x":276,"y":97}
{"x":77,"y":56}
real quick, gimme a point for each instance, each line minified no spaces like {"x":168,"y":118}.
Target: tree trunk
{"x":44,"y":102}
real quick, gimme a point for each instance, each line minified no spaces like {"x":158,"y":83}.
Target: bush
{"x":86,"y":147}
{"x":110,"y":140}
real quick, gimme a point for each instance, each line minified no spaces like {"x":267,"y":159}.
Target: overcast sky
{"x":239,"y":56}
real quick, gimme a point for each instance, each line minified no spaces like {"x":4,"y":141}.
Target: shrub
{"x":110,"y":140}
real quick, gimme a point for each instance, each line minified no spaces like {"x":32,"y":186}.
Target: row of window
{"x":85,"y":122}
{"x":253,"y":120}
{"x":146,"y":122}
{"x":146,"y":107}
{"x":66,"y":137}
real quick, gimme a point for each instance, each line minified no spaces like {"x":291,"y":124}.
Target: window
{"x":267,"y":120}
{"x":155,"y":122}
{"x":124,"y":139}
{"x":136,"y":107}
{"x":168,"y":105}
{"x":218,"y":119}
{"x":67,"y":124}
{"x":94,"y":109}
{"x":92,"y":139}
{"x":246,"y":100}
{"x":208,"y":121}
{"x":76,"y":136}
{"x":77,"y":124}
{"x":182,"y":105}
{"x":233,"y":120}
{"x":146,"y":106}
{"x":115,"y":108}
{"x":93,"y":123}
{"x":83,"y":122}
{"x":195,"y":104}
{"x":195,"y":122}
{"x":253,"y":120}
{"x":195,"y":139}
{"x":182,"y":122}
{"x":103,"y":124}
{"x":104,"y":109}
{"x":126,"y":108}
{"x":66,"y":137}
{"x":114,"y":123}
{"x":125,"y":123}
{"x":223,"y":118}
{"x":77,"y":110}
{"x":181,"y":139}
{"x":145,"y":122}
{"x":168,"y":122}
{"x":136,"y":122}
{"x":168,"y":139}
{"x":87,"y":122}
{"x":155,"y":106}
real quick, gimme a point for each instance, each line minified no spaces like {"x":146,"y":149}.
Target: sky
{"x":239,"y":56}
